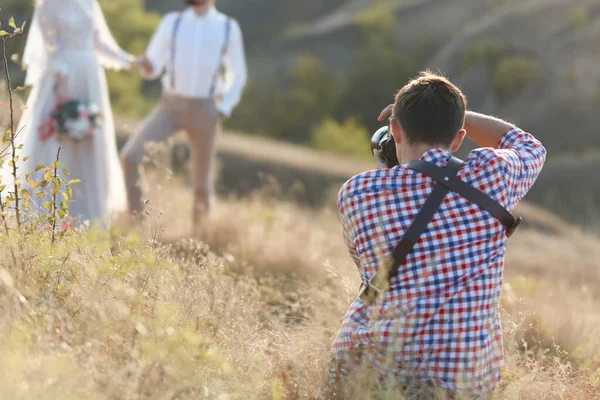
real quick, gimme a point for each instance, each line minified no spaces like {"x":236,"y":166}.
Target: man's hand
{"x":378,"y":160}
{"x":143,"y":65}
{"x":386,"y":111}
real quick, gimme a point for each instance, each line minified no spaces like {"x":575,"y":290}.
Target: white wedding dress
{"x":71,"y":38}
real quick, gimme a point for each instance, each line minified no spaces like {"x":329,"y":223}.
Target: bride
{"x":68,"y":45}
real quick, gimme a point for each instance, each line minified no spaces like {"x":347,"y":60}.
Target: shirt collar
{"x":438,"y":156}
{"x":189,"y":12}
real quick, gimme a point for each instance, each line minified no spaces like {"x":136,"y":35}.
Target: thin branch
{"x":55,"y":190}
{"x":12,"y":132}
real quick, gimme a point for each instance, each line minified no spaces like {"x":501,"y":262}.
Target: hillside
{"x":530,"y":61}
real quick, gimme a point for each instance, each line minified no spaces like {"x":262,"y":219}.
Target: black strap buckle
{"x":515,"y":225}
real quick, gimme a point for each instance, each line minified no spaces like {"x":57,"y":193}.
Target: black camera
{"x":383,"y":141}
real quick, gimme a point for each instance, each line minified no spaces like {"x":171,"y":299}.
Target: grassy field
{"x":250,"y":311}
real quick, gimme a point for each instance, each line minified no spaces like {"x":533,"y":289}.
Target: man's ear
{"x":396,"y":131}
{"x":458,"y":141}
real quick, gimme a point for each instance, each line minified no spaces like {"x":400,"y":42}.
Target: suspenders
{"x":174,"y":49}
{"x":223,"y":52}
{"x":176,"y":25}
{"x":446,"y":180}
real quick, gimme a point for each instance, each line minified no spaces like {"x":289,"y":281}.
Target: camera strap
{"x":446,"y":180}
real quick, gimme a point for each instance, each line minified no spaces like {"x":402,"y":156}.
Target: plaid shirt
{"x":439,"y":320}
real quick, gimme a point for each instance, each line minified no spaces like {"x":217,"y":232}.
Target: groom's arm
{"x":236,"y":71}
{"x":155,"y":59}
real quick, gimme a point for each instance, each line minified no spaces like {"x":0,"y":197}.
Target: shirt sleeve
{"x":347,"y":228}
{"x":236,"y":76}
{"x":158,"y":48}
{"x":523,"y":157}
{"x":110,"y":53}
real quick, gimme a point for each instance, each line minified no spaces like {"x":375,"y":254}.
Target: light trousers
{"x":200,"y":119}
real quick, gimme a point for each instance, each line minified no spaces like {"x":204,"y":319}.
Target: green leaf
{"x":25,"y":194}
{"x":70,"y":192}
{"x":48,"y":176}
{"x":56,"y":164}
{"x":62,"y":214}
{"x":47,"y":205}
{"x":2,"y":187}
{"x":11,"y":163}
{"x":23,"y":25}
{"x":57,"y":183}
{"x":65,"y":196}
{"x":40,"y":194}
{"x":65,"y":172}
{"x":3,"y":33}
{"x":72,"y":181}
{"x":26,"y":158}
{"x":11,"y":23}
{"x":39,"y":167}
{"x":19,"y":89}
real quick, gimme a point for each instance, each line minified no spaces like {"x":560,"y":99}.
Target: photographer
{"x":427,"y":316}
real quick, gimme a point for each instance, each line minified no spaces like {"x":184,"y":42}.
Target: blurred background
{"x":321,"y":70}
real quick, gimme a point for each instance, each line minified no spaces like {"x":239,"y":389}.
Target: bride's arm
{"x":49,"y":28}
{"x":111,"y":54}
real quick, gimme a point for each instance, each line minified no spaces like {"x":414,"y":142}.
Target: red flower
{"x":47,"y":130}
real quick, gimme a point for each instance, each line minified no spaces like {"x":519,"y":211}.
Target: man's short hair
{"x":430,"y":109}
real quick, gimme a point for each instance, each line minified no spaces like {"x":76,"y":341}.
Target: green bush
{"x":313,"y":94}
{"x":489,"y":51}
{"x":288,"y":112}
{"x":513,"y":74}
{"x":349,"y":138}
{"x":379,"y":72}
{"x":374,"y":19}
{"x":578,"y":18}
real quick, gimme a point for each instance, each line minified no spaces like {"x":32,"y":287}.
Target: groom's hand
{"x":144,"y":66}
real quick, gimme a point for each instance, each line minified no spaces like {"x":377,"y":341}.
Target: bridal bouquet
{"x":74,"y":119}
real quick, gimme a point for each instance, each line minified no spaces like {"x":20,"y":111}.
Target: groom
{"x":193,"y":48}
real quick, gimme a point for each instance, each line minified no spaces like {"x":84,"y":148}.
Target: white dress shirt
{"x":198,"y":56}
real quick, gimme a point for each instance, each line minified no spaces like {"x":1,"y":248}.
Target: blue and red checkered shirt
{"x":439,"y":320}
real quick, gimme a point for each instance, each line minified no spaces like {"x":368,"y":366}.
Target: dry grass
{"x":109,"y":316}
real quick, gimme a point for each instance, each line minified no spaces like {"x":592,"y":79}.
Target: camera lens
{"x":383,"y":141}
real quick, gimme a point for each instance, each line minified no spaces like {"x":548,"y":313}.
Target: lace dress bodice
{"x":76,"y":26}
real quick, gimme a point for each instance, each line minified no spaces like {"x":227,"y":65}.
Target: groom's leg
{"x":203,"y":129}
{"x":157,"y":127}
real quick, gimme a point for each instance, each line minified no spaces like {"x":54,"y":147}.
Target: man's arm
{"x":154,"y":61}
{"x":484,"y":130}
{"x":236,"y":71}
